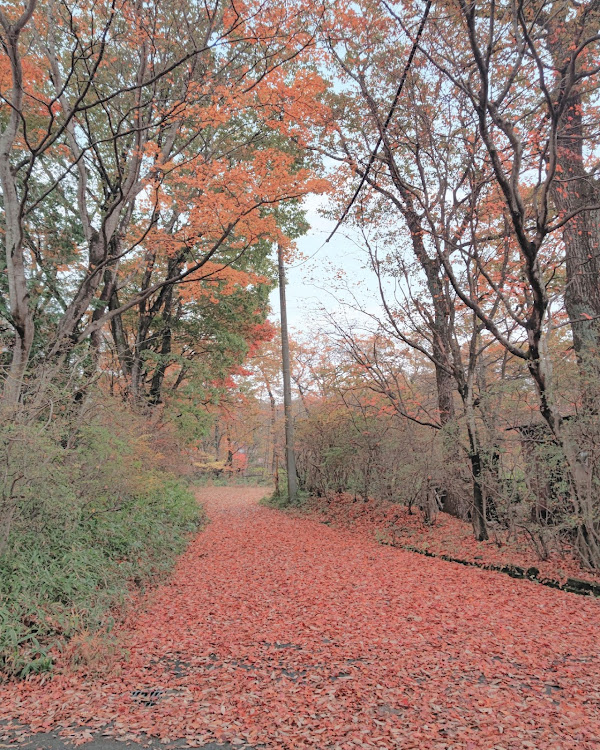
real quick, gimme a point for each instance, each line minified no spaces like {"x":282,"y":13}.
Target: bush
{"x":86,"y":522}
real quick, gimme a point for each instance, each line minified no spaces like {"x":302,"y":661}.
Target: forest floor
{"x":280,"y":632}
{"x":394,"y":524}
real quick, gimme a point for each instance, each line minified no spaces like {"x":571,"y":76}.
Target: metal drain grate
{"x":147,"y":696}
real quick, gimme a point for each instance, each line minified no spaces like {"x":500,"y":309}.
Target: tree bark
{"x":119,"y":337}
{"x":20,"y":313}
{"x":165,"y":349}
{"x":290,"y":454}
{"x":574,"y":190}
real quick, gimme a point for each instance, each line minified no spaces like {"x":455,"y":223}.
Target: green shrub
{"x":281,"y":500}
{"x":87,"y":524}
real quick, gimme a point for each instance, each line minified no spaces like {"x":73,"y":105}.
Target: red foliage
{"x":282,"y":631}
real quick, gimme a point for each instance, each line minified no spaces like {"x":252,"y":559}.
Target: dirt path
{"x":283,"y":633}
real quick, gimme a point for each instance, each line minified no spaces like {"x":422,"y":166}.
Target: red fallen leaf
{"x":391,"y":524}
{"x":266,"y":622}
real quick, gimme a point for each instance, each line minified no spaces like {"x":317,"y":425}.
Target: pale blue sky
{"x":312,"y":284}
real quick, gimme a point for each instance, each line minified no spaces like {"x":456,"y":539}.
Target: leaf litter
{"x":280,"y":632}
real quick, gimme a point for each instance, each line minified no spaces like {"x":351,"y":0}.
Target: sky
{"x":326,"y":275}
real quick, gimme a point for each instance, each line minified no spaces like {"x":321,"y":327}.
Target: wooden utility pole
{"x":290,"y":455}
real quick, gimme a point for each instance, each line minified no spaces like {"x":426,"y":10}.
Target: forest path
{"x":280,"y":632}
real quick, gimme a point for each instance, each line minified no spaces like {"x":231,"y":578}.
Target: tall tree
{"x":168,"y":126}
{"x":570,"y":34}
{"x":521,"y":122}
{"x":290,"y":451}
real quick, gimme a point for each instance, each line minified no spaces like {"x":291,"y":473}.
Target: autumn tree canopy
{"x":141,"y":147}
{"x":152,"y":157}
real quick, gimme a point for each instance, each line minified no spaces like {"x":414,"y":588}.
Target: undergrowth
{"x":88,"y":523}
{"x":280,"y":500}
{"x":232,"y":479}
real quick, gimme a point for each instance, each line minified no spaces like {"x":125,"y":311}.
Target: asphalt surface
{"x":53,"y":741}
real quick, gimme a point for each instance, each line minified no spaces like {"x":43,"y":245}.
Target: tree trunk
{"x":580,"y":475}
{"x":290,"y":455}
{"x":479,"y":523}
{"x":165,"y":350}
{"x":119,"y":337}
{"x":478,"y":511}
{"x":573,"y":189}
{"x":21,"y":316}
{"x":272,"y":423}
